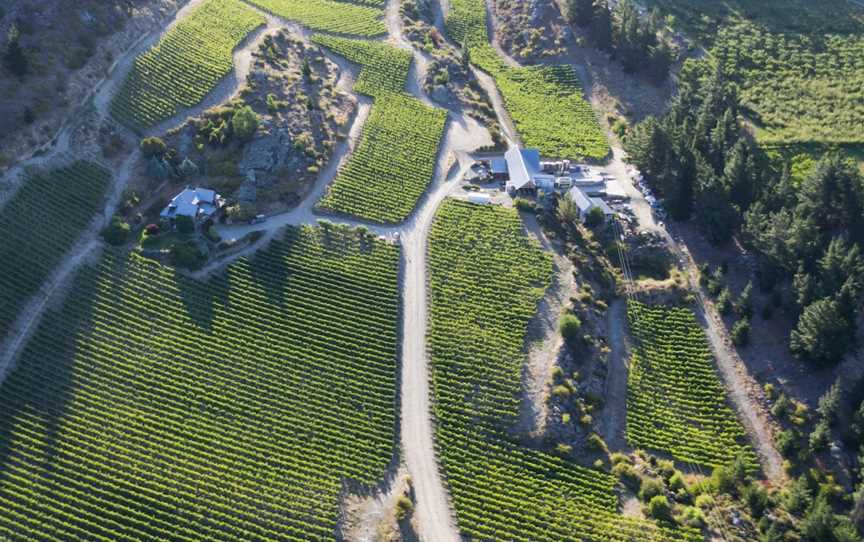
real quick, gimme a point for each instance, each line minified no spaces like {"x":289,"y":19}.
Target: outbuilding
{"x":498,"y":168}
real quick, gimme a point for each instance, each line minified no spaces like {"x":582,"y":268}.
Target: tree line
{"x":807,"y":236}
{"x":639,"y":43}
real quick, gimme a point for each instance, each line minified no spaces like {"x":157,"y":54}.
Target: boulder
{"x":260,"y":154}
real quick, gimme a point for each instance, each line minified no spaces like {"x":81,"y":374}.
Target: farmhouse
{"x":199,"y":204}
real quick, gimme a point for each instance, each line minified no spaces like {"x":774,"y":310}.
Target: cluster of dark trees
{"x":637,"y":41}
{"x":706,"y":167}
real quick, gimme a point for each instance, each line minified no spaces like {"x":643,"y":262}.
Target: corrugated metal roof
{"x":523,"y":164}
{"x":582,"y":201}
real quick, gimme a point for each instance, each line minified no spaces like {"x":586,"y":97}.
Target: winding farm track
{"x":435,"y":520}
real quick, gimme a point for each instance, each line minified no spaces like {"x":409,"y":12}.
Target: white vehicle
{"x":479,"y":198}
{"x":258,"y":219}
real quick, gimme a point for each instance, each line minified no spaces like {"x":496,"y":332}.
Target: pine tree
{"x":660,"y":61}
{"x":716,"y":216}
{"x":580,"y":12}
{"x":602,"y":26}
{"x":744,"y":306}
{"x":14,"y":57}
{"x":822,"y":335}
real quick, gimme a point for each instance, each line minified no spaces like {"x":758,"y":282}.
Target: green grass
{"x":800,"y":64}
{"x":546,"y":103}
{"x":501,"y":490}
{"x":186,"y":64}
{"x":395,"y":159}
{"x":349,"y":18}
{"x":40,"y":224}
{"x":675,"y":401}
{"x":154,"y":407}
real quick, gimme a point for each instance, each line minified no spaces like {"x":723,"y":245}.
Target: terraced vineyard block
{"x":546,"y":103}
{"x":675,"y":401}
{"x":395,"y":160}
{"x":186,"y":65}
{"x":364,"y":18}
{"x":44,"y":219}
{"x":486,"y":279}
{"x":153,"y":407}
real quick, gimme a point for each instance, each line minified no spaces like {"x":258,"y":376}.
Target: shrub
{"x":117,"y":231}
{"x":676,"y":482}
{"x":704,"y":501}
{"x":658,"y":508}
{"x":596,"y":443}
{"x":781,"y":407}
{"x":757,"y":499}
{"x":820,"y":436}
{"x":563,"y":449}
{"x":722,"y":480}
{"x":404,"y":507}
{"x":244,"y":123}
{"x":184,"y":224}
{"x":595,"y":217}
{"x":186,"y":255}
{"x":787,"y":443}
{"x":153,"y":146}
{"x":692,"y":517}
{"x":627,"y":475}
{"x":741,"y":333}
{"x":650,"y":488}
{"x":724,"y":301}
{"x":523,"y":204}
{"x":561,"y":392}
{"x":569,"y":327}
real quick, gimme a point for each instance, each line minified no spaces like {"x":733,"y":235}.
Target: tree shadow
{"x":201,"y":297}
{"x":42,"y":382}
{"x":269,"y":269}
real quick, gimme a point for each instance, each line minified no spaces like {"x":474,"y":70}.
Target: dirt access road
{"x":732,"y":370}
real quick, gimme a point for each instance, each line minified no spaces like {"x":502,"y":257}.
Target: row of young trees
{"x":638,"y":42}
{"x":705,"y":166}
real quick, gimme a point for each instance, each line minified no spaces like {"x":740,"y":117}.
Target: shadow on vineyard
{"x":153,"y":406}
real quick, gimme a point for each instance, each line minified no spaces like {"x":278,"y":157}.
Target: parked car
{"x":257,"y":220}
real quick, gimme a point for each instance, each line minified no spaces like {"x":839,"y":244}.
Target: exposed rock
{"x":299,"y":118}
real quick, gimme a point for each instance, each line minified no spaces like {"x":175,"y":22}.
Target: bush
{"x":523,"y":204}
{"x":186,"y":255}
{"x":244,"y":123}
{"x":597,"y":444}
{"x":820,"y":436}
{"x":153,"y":146}
{"x":722,"y":480}
{"x":563,"y":450}
{"x":757,"y":499}
{"x":741,"y":333}
{"x":704,"y":501}
{"x":404,"y":507}
{"x":676,"y":482}
{"x":595,"y":217}
{"x":650,"y":488}
{"x":658,"y":508}
{"x":724,"y":301}
{"x":787,"y":443}
{"x":184,"y":224}
{"x":627,"y":475}
{"x":569,"y":327}
{"x":692,"y":517}
{"x":117,"y":231}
